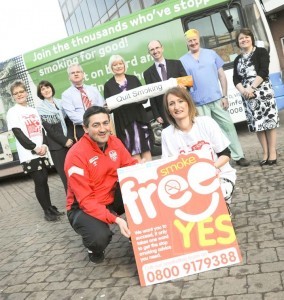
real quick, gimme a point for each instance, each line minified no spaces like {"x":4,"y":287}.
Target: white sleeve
{"x":217,"y":138}
{"x":12,"y":119}
{"x":165,"y":149}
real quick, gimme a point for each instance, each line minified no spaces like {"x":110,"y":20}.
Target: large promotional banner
{"x":178,"y":218}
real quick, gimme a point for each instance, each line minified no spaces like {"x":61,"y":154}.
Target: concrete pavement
{"x":42,"y":260}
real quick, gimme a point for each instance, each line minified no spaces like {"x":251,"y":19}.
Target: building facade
{"x":79,"y":15}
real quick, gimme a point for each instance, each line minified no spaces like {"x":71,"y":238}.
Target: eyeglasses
{"x":19,"y":93}
{"x":153,"y":49}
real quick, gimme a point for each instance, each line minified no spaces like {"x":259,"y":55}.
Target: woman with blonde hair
{"x":130,"y":120}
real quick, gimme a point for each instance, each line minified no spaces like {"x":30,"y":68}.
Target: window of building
{"x":101,"y":6}
{"x":148,"y":3}
{"x":80,"y":19}
{"x":134,"y":5}
{"x":70,"y":7}
{"x":124,"y":10}
{"x":74,"y":24}
{"x":109,"y":3}
{"x":64,"y":12}
{"x":86,"y":14}
{"x":69,"y":28}
{"x":94,"y":12}
{"x":75,"y":3}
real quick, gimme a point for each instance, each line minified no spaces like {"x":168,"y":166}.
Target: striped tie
{"x":86,"y":101}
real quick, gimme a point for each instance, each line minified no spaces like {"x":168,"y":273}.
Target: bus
{"x":216,"y":20}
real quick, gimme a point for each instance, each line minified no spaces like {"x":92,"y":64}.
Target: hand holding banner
{"x":147,"y":91}
{"x":178,"y":218}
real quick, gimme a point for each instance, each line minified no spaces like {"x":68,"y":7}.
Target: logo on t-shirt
{"x":93,"y":160}
{"x":33,"y":125}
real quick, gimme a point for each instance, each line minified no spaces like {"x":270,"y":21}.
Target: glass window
{"x":70,"y":7}
{"x":115,"y":16}
{"x":124,"y":10}
{"x":74,"y":24}
{"x":120,"y":2}
{"x":75,"y":3}
{"x":80,"y":19}
{"x":148,"y":3}
{"x":214,"y":34}
{"x":61,"y":2}
{"x":86,"y":14}
{"x":109,"y":3}
{"x":93,"y":10}
{"x":135,"y":5}
{"x":101,"y":7}
{"x":65,"y":12}
{"x":69,"y":28}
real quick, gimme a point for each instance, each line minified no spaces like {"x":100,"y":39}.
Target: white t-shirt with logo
{"x":28,"y":120}
{"x":205,"y":134}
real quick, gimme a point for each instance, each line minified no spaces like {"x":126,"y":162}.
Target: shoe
{"x":96,"y":257}
{"x":242,"y":162}
{"x":229,"y":210}
{"x":271,"y":162}
{"x":263,"y":162}
{"x":49,"y":216}
{"x":53,"y":209}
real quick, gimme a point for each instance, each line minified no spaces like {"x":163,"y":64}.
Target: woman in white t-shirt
{"x":26,"y":125}
{"x":189,"y":132}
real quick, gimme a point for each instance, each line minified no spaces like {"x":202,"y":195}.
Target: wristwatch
{"x":254,"y":88}
{"x":225,"y":97}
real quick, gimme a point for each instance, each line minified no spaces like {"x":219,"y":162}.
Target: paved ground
{"x":41,"y":260}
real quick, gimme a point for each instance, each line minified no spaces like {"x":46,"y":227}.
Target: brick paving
{"x":42,"y":260}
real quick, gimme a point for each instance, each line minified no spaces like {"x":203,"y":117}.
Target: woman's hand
{"x":248,"y":92}
{"x":69,"y":143}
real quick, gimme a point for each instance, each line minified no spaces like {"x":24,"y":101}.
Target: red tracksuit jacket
{"x":92,"y":175}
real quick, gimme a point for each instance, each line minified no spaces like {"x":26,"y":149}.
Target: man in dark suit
{"x":161,"y":70}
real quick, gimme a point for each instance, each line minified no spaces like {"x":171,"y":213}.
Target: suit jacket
{"x":174,"y":69}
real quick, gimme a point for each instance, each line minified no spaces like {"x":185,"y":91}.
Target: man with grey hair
{"x":79,"y":97}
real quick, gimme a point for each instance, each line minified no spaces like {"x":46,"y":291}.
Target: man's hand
{"x":123,"y":227}
{"x":224,"y":103}
{"x":69,"y":143}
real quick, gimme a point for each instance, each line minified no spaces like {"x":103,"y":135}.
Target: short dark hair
{"x":93,"y":110}
{"x":44,"y":83}
{"x":245,"y":31}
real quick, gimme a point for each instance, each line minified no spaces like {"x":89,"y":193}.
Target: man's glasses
{"x":19,"y":93}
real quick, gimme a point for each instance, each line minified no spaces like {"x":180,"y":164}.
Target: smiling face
{"x":156,"y":50}
{"x":118,"y":67}
{"x":46,"y":92}
{"x":178,"y":107}
{"x":193,"y":43}
{"x":245,"y":41}
{"x":98,"y":128}
{"x":20,"y":95}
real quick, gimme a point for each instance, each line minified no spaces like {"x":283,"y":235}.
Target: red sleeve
{"x":80,"y":188}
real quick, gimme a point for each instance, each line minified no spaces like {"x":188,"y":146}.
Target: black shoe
{"x":242,"y":162}
{"x":53,"y":209}
{"x":263,"y":162}
{"x":49,"y":216}
{"x":272,"y":162}
{"x":96,"y":257}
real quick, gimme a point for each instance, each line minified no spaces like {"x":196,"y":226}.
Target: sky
{"x":29,"y":24}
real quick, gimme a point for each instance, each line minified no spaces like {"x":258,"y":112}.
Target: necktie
{"x":86,"y":101}
{"x":163,"y":71}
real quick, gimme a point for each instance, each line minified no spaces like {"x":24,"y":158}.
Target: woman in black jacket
{"x":130,"y":120}
{"x":57,"y":126}
{"x":251,"y":78}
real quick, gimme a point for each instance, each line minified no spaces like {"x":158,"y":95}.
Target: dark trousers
{"x":96,"y":234}
{"x":40,"y":178}
{"x":58,"y":157}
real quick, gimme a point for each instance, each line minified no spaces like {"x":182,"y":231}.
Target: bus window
{"x":214,"y":34}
